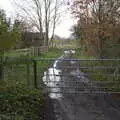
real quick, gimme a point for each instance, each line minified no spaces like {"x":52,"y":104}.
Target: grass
{"x":106,"y":78}
{"x":80,"y":54}
{"x":52,"y":53}
{"x":43,"y":65}
{"x":20,"y":68}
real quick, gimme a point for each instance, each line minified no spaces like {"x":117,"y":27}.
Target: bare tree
{"x":99,"y":22}
{"x":55,"y":20}
{"x":43,"y":14}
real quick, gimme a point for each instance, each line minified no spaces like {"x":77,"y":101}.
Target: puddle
{"x":69,"y":52}
{"x":52,"y":80}
{"x":75,"y":106}
{"x":73,"y":62}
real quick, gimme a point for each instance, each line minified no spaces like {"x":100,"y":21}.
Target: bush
{"x":20,"y":103}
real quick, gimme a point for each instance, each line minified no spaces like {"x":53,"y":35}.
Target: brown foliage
{"x":99,"y":21}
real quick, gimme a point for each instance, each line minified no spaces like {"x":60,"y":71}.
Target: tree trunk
{"x":100,"y":35}
{"x":100,"y":47}
{"x":46,"y":25}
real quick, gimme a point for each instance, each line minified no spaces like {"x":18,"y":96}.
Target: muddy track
{"x":74,"y":106}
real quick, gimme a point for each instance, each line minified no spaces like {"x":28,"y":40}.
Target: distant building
{"x":30,"y":39}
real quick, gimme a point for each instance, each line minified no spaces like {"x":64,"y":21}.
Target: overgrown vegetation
{"x":9,"y":33}
{"x":20,"y":69}
{"x":20,"y":103}
{"x":97,"y":26}
{"x":52,"y":53}
{"x":102,"y":72}
{"x":19,"y":100}
{"x":97,"y":31}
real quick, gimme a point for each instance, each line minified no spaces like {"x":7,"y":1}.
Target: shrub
{"x":20,"y":103}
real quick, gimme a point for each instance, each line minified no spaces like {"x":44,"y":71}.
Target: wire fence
{"x":79,"y":75}
{"x":61,"y":77}
{"x":99,"y":75}
{"x":19,"y":71}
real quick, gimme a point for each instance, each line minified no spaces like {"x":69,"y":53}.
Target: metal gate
{"x":73,"y":76}
{"x":80,"y":89}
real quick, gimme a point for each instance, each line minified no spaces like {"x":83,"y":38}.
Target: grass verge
{"x":104,"y":73}
{"x":52,"y":53}
{"x":43,"y":65}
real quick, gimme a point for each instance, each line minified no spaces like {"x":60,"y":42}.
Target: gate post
{"x":35,"y":73}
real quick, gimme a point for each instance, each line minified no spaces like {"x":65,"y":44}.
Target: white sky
{"x":63,"y":30}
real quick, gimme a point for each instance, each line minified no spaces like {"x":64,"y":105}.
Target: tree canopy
{"x":98,"y":26}
{"x":8,"y":33}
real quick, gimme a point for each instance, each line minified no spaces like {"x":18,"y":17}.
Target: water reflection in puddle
{"x":52,"y":77}
{"x":52,"y":80}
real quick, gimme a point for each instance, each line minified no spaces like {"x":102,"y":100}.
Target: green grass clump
{"x":52,"y":53}
{"x":42,"y":65}
{"x":20,"y":103}
{"x":104,"y":73}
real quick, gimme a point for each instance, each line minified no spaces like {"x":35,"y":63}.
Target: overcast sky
{"x":63,"y":30}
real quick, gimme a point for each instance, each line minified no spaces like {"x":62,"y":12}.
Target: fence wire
{"x":79,"y":76}
{"x":62,"y":76}
{"x":19,"y":71}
